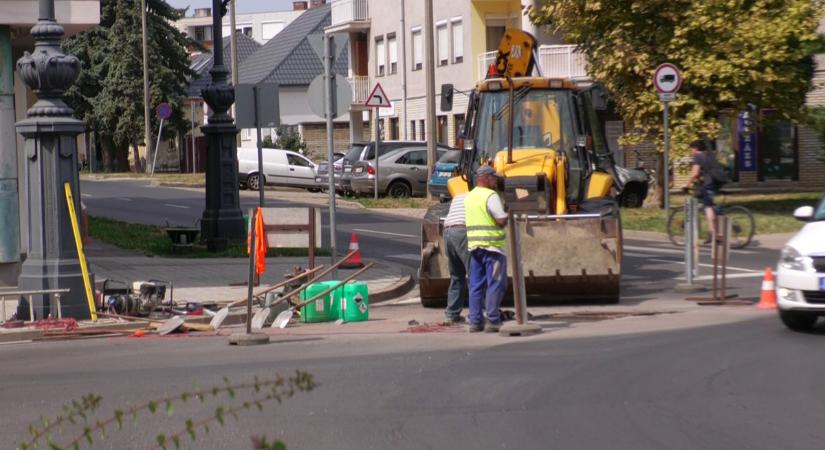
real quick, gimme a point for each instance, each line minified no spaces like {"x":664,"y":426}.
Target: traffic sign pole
{"x":666,"y":119}
{"x":330,"y":146}
{"x":667,"y":80}
{"x":377,"y":146}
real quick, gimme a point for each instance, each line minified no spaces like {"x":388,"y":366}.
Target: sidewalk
{"x":223,"y":280}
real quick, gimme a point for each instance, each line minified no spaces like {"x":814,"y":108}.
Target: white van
{"x":280,"y":167}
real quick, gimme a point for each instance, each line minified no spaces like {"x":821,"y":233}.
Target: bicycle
{"x":743,"y":225}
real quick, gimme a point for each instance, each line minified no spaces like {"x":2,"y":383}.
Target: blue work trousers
{"x":458,"y":259}
{"x":488,"y":283}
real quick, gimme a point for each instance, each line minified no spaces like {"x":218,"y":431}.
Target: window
{"x":458,"y":41}
{"x":392,"y":46}
{"x":417,"y":49}
{"x":203,"y":34}
{"x":414,"y":158}
{"x":423,"y":130}
{"x":245,"y":30}
{"x":459,"y":125}
{"x":412,"y":129}
{"x":380,"y":56}
{"x":776,"y":145}
{"x":443,"y":44}
{"x":295,"y":160}
{"x":270,"y":29}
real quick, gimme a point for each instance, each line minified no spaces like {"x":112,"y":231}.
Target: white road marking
{"x":175,"y":206}
{"x":86,"y":195}
{"x":124,"y":199}
{"x":680,"y":250}
{"x":740,"y":269}
{"x":384,"y":232}
{"x":732,"y":275}
{"x":410,"y":256}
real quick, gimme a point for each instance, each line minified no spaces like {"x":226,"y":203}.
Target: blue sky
{"x":242,"y":6}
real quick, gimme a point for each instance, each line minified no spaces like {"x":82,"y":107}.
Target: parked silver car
{"x":402,"y":173}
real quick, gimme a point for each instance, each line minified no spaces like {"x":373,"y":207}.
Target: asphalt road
{"x":647,"y":267}
{"x":750,"y":384}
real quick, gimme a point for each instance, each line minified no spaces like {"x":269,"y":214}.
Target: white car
{"x":280,"y":167}
{"x":800,"y":277}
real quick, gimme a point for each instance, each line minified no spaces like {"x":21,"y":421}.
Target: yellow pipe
{"x":82,"y":256}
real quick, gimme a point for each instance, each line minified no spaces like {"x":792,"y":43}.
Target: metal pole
{"x":430,"y":58}
{"x":157,"y":146}
{"x":146,"y":95}
{"x":312,"y":239}
{"x":689,"y":213}
{"x":666,"y":165}
{"x":330,"y":146}
{"x":515,"y":266}
{"x":194,"y":169}
{"x":233,"y":48}
{"x":404,"y":73}
{"x":251,"y":281}
{"x":377,"y":144}
{"x":261,"y":180}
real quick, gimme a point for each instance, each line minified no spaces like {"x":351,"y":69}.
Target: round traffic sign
{"x":164,"y":111}
{"x":667,"y":79}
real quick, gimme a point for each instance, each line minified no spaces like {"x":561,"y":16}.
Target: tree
{"x":287,"y":139}
{"x":109,"y":92}
{"x":731,"y":53}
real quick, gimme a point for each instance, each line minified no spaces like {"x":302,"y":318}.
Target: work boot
{"x":475,"y":328}
{"x":453,"y":320}
{"x":491,"y":327}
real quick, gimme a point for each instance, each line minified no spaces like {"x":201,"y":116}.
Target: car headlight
{"x":791,"y":259}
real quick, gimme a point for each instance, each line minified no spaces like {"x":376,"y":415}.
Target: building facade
{"x":16,"y":20}
{"x":261,"y":26}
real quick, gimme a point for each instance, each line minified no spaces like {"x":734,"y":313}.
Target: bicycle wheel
{"x":676,"y":227}
{"x":742,"y":226}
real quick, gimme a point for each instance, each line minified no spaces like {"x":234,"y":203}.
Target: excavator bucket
{"x":569,"y":258}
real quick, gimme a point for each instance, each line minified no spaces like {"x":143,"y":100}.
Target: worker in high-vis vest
{"x":485,"y":220}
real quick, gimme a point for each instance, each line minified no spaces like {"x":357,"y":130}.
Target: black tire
{"x":313,"y":190}
{"x":798,"y":320}
{"x":742,"y":226}
{"x":632,"y":196}
{"x":252,"y":182}
{"x":399,"y":189}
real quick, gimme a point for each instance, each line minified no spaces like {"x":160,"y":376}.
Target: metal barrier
{"x":18,"y":294}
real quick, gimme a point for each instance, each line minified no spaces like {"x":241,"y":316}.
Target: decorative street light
{"x":222,"y":218}
{"x":50,"y":134}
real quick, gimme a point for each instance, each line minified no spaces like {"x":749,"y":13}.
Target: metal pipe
{"x":666,"y":156}
{"x":689,"y":217}
{"x":192,"y":103}
{"x":510,"y":122}
{"x":251,"y":281}
{"x":46,"y":8}
{"x":261,"y":178}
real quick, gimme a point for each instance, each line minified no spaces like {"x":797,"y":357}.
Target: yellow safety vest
{"x":482,"y":229}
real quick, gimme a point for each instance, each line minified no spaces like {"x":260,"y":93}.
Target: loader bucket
{"x":576,"y":258}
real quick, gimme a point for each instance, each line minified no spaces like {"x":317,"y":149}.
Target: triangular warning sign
{"x":378,"y":98}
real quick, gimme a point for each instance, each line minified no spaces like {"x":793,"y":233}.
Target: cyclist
{"x":705,"y":169}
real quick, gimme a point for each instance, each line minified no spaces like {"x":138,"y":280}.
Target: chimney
{"x":299,"y":6}
{"x":203,"y":12}
{"x":316,"y":3}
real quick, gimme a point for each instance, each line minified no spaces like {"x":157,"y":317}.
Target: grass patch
{"x":773,"y":213}
{"x":152,"y":240}
{"x":389,"y":202}
{"x":189,"y":179}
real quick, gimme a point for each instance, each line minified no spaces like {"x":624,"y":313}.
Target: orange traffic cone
{"x":767,"y":299}
{"x":354,"y":261}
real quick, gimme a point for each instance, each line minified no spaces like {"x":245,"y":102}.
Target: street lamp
{"x":50,"y":133}
{"x":222,"y":218}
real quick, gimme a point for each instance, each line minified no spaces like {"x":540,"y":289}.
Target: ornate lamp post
{"x":222,"y":218}
{"x":50,"y":135}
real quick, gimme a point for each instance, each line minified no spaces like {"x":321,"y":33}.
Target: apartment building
{"x":261,"y":26}
{"x":16,"y":20}
{"x":387,"y":40}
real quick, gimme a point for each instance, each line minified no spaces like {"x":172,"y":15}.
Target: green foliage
{"x":109,"y":92}
{"x":732,"y":53}
{"x":287,"y":138}
{"x":76,"y":419}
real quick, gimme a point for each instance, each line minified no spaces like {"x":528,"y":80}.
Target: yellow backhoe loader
{"x":543,"y":135}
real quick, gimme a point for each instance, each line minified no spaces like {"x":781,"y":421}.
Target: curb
{"x":398,"y":289}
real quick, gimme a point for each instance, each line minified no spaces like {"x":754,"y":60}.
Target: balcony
{"x":562,"y":61}
{"x":349,"y":16}
{"x":360,"y":89}
{"x":555,"y":61}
